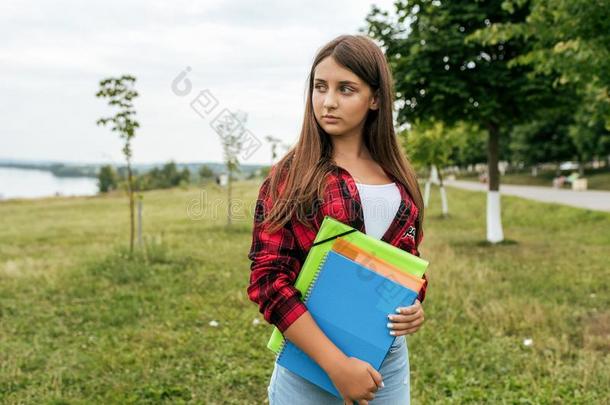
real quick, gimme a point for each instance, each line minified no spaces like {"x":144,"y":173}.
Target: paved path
{"x":591,"y":199}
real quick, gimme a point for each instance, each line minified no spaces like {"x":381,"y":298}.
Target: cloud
{"x":252,"y":56}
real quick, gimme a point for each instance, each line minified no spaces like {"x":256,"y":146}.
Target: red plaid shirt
{"x":277,"y":257}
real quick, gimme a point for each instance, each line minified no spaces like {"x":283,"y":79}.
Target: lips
{"x":330,"y":116}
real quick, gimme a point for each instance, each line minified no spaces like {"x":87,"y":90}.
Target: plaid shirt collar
{"x":405,"y":213}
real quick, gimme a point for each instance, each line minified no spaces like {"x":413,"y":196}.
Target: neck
{"x":349,"y":148}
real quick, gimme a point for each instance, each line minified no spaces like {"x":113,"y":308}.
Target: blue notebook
{"x":350,"y":304}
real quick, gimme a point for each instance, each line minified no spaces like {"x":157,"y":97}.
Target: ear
{"x":374,"y":104}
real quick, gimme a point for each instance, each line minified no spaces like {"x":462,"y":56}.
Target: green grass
{"x":597,"y":179}
{"x":81,"y":322}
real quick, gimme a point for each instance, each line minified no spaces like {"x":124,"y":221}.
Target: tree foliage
{"x":120,"y":93}
{"x":569,"y":39}
{"x":444,"y":73}
{"x":107,"y":179}
{"x":165,"y":177}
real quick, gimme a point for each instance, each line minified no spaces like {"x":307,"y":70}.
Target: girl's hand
{"x":408,"y":321}
{"x":356,"y":380}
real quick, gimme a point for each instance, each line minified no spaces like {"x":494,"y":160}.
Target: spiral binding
{"x":306,"y":296}
{"x":313,"y":281}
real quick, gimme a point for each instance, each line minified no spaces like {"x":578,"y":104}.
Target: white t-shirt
{"x":379,"y":205}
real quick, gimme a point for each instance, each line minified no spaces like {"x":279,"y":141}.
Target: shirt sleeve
{"x":274,"y":268}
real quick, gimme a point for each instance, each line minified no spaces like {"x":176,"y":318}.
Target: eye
{"x":319,"y":87}
{"x":347,"y":88}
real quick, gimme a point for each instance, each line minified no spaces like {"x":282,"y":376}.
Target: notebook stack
{"x":350,"y":282}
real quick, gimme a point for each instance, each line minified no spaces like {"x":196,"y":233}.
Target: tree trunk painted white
{"x":494,"y":219}
{"x":444,"y":207}
{"x":434,"y":175}
{"x":444,"y":201}
{"x":427,"y":193}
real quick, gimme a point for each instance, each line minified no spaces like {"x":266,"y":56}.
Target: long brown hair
{"x":297,"y":179}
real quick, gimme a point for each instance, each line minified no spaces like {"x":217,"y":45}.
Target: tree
{"x":120,"y":93}
{"x":205,"y":172}
{"x":471,"y":143}
{"x":545,"y":139}
{"x":589,"y":135}
{"x":170,"y":176}
{"x":436,"y":146}
{"x":442,"y":73}
{"x":428,"y":146}
{"x":185,"y":177}
{"x":165,"y":177}
{"x":231,"y":130}
{"x":107,"y":179}
{"x":571,"y":39}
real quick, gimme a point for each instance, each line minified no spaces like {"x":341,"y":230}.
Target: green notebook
{"x":327,"y":234}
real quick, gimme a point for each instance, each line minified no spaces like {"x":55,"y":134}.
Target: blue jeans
{"x":288,"y":388}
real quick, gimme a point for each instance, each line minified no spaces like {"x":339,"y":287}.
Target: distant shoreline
{"x":92,"y":169}
{"x":58,"y":169}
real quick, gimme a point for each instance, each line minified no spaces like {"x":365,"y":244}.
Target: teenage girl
{"x":346,"y":164}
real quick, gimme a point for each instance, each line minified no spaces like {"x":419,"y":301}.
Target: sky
{"x":251,"y":56}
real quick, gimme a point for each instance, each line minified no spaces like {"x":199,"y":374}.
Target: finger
{"x":400,"y":325}
{"x":405,"y":318}
{"x":407,"y":331}
{"x":403,"y":333}
{"x":408,"y":310}
{"x":407,"y":325}
{"x":377,"y":378}
{"x":414,"y":326}
{"x":370,"y":396}
{"x":363,"y":402}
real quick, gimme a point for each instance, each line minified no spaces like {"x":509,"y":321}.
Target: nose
{"x":330,"y":101}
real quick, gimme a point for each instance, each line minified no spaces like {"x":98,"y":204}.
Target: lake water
{"x":26,"y":183}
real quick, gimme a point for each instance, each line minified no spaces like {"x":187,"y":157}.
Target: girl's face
{"x":338,"y":92}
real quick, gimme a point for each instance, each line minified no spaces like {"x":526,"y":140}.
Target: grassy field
{"x":597,"y":179}
{"x":81,"y":322}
